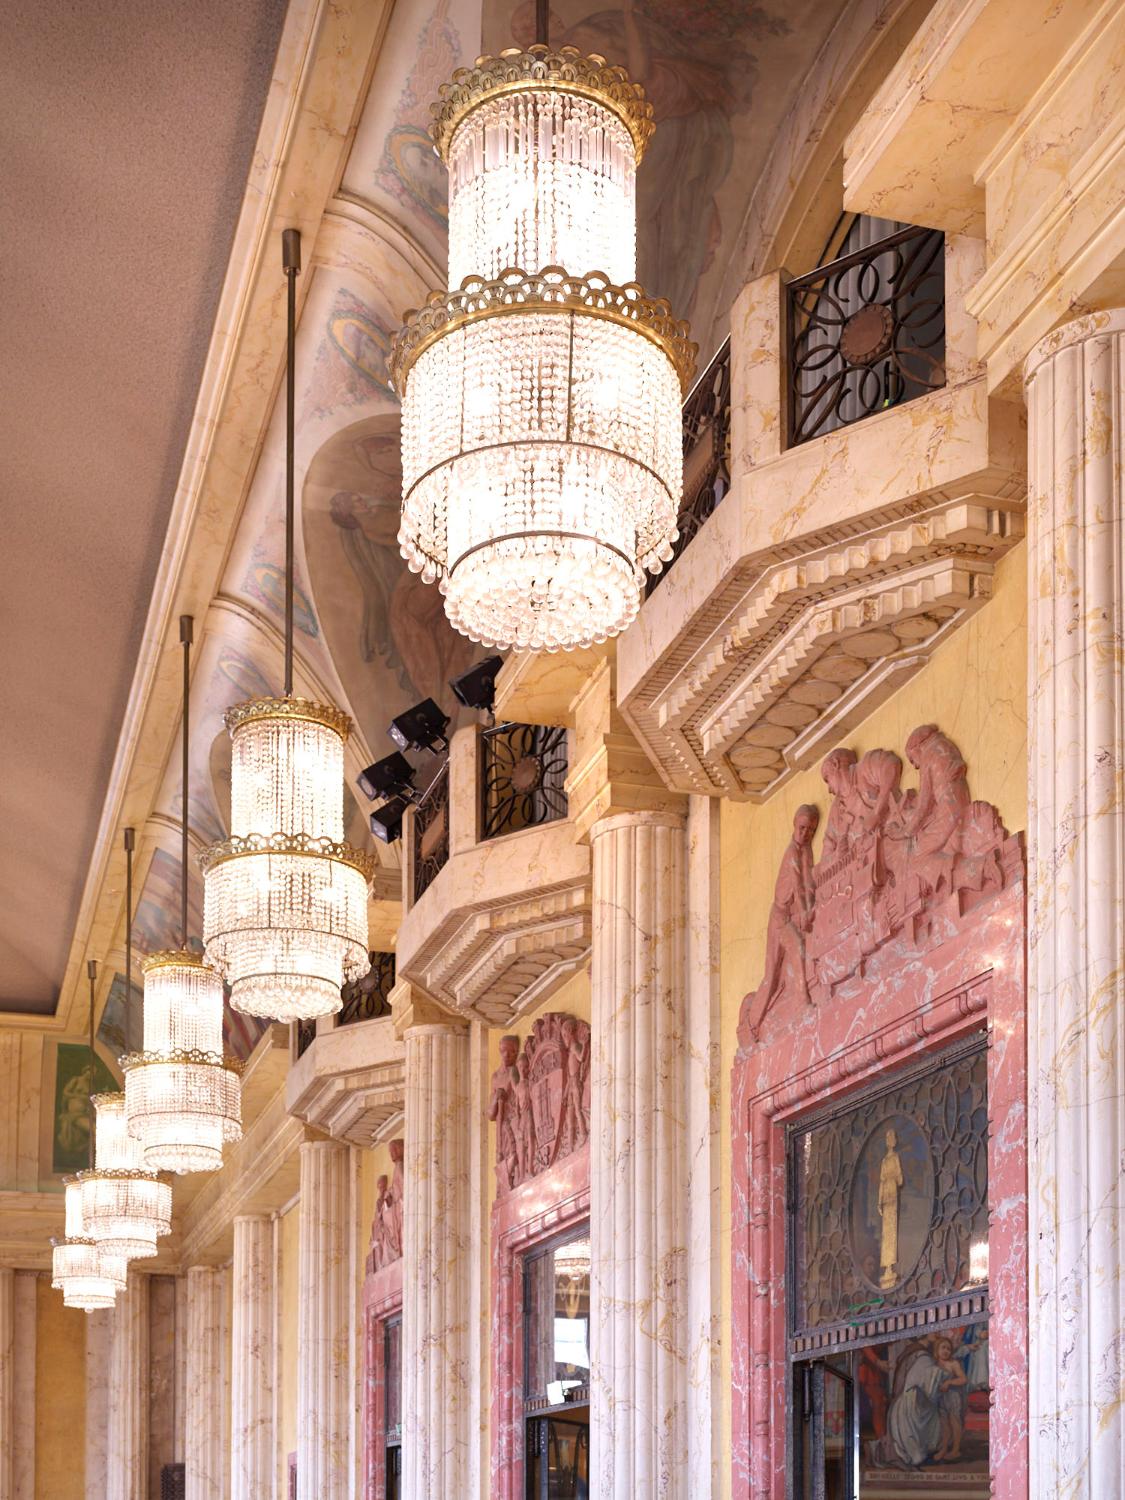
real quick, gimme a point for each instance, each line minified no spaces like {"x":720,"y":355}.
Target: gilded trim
{"x":303,"y":844}
{"x":552,"y":290}
{"x":172,"y":958}
{"x":256,"y":709}
{"x":189,"y":1056}
{"x":563,"y":70}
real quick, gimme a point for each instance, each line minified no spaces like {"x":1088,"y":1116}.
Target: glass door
{"x":392,"y":1409}
{"x":828,"y":1440}
{"x":556,"y":1307}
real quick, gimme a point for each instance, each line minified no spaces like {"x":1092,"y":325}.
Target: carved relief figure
{"x":503,"y":1110}
{"x":890,"y":1185}
{"x":891,"y":861}
{"x":386,"y":1222}
{"x":540,"y":1098}
{"x":789,"y":921}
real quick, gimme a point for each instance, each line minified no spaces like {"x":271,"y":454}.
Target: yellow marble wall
{"x":975,"y":689}
{"x":60,"y":1396}
{"x":287,"y":1361}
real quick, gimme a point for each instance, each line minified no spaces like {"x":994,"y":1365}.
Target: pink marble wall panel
{"x":382,"y":1301}
{"x":539,"y":1209}
{"x":961,"y":971}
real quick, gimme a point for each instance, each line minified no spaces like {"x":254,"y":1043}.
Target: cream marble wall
{"x":60,"y":1396}
{"x":975,"y":689}
{"x":287,"y":1359}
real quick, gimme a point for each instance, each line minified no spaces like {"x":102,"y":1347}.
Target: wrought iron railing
{"x":522,"y":777}
{"x":866,"y":332}
{"x":368,"y":998}
{"x":706,"y":431}
{"x":431,"y":832}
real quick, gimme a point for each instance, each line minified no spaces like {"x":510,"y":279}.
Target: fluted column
{"x":7,"y":1382}
{"x":99,"y":1352}
{"x":207,"y":1418}
{"x":127,"y":1417}
{"x":325,"y":1394}
{"x":639,"y":1229}
{"x":253,"y":1357}
{"x":1076,"y":943}
{"x":438,"y":1385}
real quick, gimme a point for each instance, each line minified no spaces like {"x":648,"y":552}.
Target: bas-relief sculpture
{"x":540,"y":1098}
{"x":386,"y":1223}
{"x":891,"y":859}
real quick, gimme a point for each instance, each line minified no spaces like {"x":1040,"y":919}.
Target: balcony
{"x":496,"y":889}
{"x":873,"y":485}
{"x":347,"y":1077}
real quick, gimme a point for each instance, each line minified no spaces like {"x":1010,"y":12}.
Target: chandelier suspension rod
{"x":186,"y":634}
{"x":91,"y":974}
{"x":542,"y":22}
{"x":130,"y":840}
{"x":291,"y":261}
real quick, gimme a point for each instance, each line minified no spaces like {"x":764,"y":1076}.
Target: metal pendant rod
{"x":186,"y":634}
{"x":291,"y":261}
{"x":543,"y":22}
{"x":130,"y":841}
{"x":92,"y":975}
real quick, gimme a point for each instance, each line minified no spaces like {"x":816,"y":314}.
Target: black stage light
{"x":476,"y":688}
{"x":393,"y":776}
{"x":421,"y":727}
{"x":386,"y":821}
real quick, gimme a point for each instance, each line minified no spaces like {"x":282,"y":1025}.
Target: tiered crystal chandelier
{"x":125,"y":1207}
{"x":541,"y":434}
{"x":183,"y":1097}
{"x":285,"y":899}
{"x":88,"y":1276}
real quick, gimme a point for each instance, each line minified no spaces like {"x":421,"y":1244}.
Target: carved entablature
{"x":895,"y":863}
{"x":540,"y":1099}
{"x":386,"y":1223}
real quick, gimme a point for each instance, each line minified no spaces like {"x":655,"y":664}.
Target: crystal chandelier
{"x":285,"y":899}
{"x":124,"y":1207}
{"x":541,"y":431}
{"x":183,"y":1097}
{"x":87,"y":1276}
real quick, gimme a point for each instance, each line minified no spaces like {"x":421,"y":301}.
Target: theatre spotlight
{"x":421,"y":727}
{"x":476,"y":688}
{"x":386,"y":821}
{"x":393,"y":776}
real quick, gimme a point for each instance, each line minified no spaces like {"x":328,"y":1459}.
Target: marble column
{"x":439,"y":1385}
{"x":127,"y":1417}
{"x":99,"y":1352}
{"x":325,"y":1394}
{"x":207,"y":1386}
{"x":639,"y":1222}
{"x":1075,"y":382}
{"x":253,"y":1355}
{"x":7,"y":1381}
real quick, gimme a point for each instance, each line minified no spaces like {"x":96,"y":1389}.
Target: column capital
{"x":412,"y":1007}
{"x":1091,"y":326}
{"x":610,"y":772}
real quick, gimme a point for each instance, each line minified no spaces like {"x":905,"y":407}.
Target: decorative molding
{"x":349,"y":1081}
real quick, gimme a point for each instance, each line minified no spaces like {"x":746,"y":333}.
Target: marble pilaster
{"x":325,"y":1392}
{"x":99,"y":1346}
{"x":1075,"y":380}
{"x":23,"y":1401}
{"x":440,"y":1390}
{"x":253,"y":1360}
{"x":7,"y":1380}
{"x":206,"y":1419}
{"x":127,"y":1418}
{"x":639,"y":1228}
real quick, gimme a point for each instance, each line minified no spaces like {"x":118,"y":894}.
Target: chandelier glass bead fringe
{"x":285,"y":899}
{"x":541,"y":430}
{"x":88,"y":1276}
{"x":125,"y":1207}
{"x":182,"y":1096}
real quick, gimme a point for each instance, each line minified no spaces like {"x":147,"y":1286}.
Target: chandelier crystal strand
{"x":541,"y":442}
{"x":183,"y":1097}
{"x":284,"y":898}
{"x":125,"y":1207}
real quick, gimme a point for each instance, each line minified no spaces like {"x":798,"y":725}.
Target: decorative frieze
{"x":386,"y":1223}
{"x":540,"y":1099}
